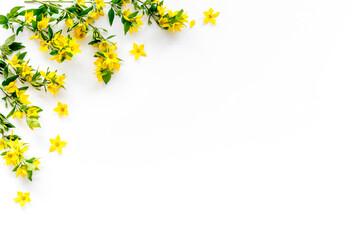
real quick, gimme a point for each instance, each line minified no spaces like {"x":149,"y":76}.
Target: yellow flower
{"x":11,"y":157}
{"x":192,"y":23}
{"x":99,"y":76}
{"x":17,"y":114}
{"x":126,"y":13}
{"x":138,"y":51}
{"x":80,"y":2}
{"x":23,"y":98}
{"x":210,"y":16}
{"x":44,"y":46}
{"x":36,"y":163}
{"x":61,"y":57}
{"x":11,"y":87}
{"x":43,"y":23}
{"x":99,"y":4}
{"x":29,"y":16}
{"x":3,"y":145}
{"x":80,"y":31}
{"x":15,"y":62}
{"x":103,"y":46}
{"x":96,"y":14}
{"x":164,"y":22}
{"x":57,"y":144}
{"x":69,"y":22}
{"x":161,"y":10}
{"x":61,"y":109}
{"x":22,"y":198}
{"x":37,"y":36}
{"x":53,"y":88}
{"x":21,"y":171}
{"x":60,"y":79}
{"x":73,"y":47}
{"x":32,"y":112}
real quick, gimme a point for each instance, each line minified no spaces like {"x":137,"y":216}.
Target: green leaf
{"x":134,"y":14}
{"x":15,"y":46}
{"x":50,"y":32}
{"x":33,"y":123}
{"x":126,"y":27}
{"x":30,"y":166}
{"x":15,"y":10}
{"x":3,"y":19}
{"x":9,"y":80}
{"x":10,"y":40}
{"x":107,"y":77}
{"x":22,"y":55}
{"x":86,"y":11}
{"x":111,"y":15}
{"x":11,"y":112}
{"x":30,"y":173}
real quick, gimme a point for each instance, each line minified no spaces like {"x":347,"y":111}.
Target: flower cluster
{"x":62,"y":47}
{"x":14,"y":156}
{"x":107,"y":61}
{"x":44,"y":23}
{"x":131,"y":21}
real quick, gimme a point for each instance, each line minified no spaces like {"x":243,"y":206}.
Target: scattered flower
{"x":29,"y":17}
{"x":210,"y":16}
{"x":57,"y":144}
{"x":61,"y":109}
{"x":138,"y":51}
{"x":22,"y":198}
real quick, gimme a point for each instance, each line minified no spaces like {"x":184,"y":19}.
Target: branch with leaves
{"x":79,"y":19}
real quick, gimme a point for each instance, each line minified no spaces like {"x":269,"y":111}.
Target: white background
{"x":249,"y":129}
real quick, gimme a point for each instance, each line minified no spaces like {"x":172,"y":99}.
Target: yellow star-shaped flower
{"x":138,"y":51}
{"x":29,"y":17}
{"x":61,"y":109}
{"x":22,"y":198}
{"x":57,"y":144}
{"x":210,"y":16}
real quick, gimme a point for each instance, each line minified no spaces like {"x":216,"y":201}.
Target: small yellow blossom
{"x":100,"y":4}
{"x":11,"y":87}
{"x":44,"y":46}
{"x":43,"y":24}
{"x":53,"y":88}
{"x":192,"y":23}
{"x":210,"y":16}
{"x":21,"y":171}
{"x":36,"y":163}
{"x":17,"y":114}
{"x":57,"y":144}
{"x":36,"y":36}
{"x":22,"y":198}
{"x":15,"y":62}
{"x":29,"y":16}
{"x":164,"y":22}
{"x":61,"y":109}
{"x":23,"y":97}
{"x":11,"y":157}
{"x":3,"y":145}
{"x":60,"y":79}
{"x":138,"y":51}
{"x":32,"y":112}
{"x":80,"y":2}
{"x":80,"y":32}
{"x":161,"y":10}
{"x":69,"y":22}
{"x":103,"y":46}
